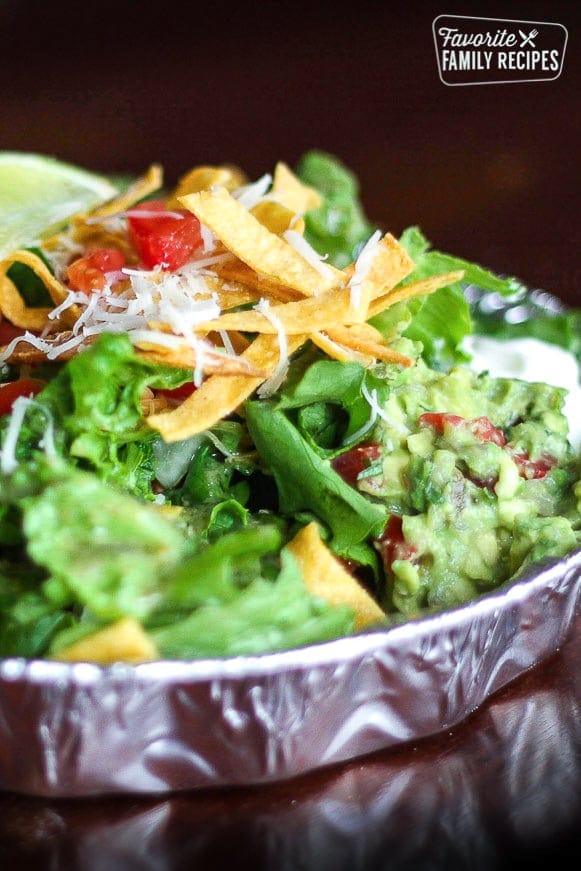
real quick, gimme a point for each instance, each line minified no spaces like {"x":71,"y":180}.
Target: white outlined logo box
{"x":472,"y":50}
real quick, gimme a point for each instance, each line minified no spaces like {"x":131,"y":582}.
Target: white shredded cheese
{"x":362,"y":266}
{"x":249,"y":195}
{"x":300,"y":244}
{"x":8,"y":462}
{"x":376,"y":411}
{"x":272,"y":384}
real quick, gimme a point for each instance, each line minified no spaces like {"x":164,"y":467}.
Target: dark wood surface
{"x":490,"y":173}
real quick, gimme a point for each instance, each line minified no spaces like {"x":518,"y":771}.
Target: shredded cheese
{"x":301,"y":245}
{"x":249,"y":195}
{"x":271,"y":385}
{"x":362,"y":267}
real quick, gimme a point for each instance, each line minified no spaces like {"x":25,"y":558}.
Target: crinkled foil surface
{"x":80,"y":729}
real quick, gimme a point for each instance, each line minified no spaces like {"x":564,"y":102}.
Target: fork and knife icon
{"x":528,"y":40}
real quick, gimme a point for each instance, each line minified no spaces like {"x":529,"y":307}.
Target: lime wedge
{"x":39,"y":194}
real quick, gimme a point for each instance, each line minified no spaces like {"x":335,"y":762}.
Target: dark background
{"x":489,"y":172}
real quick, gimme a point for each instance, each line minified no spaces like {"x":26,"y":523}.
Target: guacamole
{"x":477,"y":474}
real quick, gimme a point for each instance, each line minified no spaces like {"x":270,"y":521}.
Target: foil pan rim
{"x":335,"y":651}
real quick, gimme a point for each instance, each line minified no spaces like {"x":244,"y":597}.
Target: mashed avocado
{"x":477,"y":474}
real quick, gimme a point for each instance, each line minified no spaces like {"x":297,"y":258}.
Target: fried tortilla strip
{"x":326,"y":578}
{"x":12,"y":304}
{"x":291,"y":192}
{"x":251,"y":242}
{"x":277,"y":218}
{"x":142,"y":187}
{"x":331,"y":308}
{"x":368,"y":347}
{"x":220,"y":395}
{"x":236,"y":271}
{"x":202,"y":178}
{"x":212,"y":362}
{"x":340,"y":352}
{"x":123,"y":641}
{"x":390,"y":263}
{"x":417,"y":288}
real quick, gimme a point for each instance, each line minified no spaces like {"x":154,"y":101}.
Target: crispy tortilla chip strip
{"x":141,"y":187}
{"x":236,"y":271}
{"x":390,"y":261}
{"x":339,"y":352}
{"x":417,"y":288}
{"x":277,"y":218}
{"x":262,"y":250}
{"x":325,"y":577}
{"x":368,"y":347}
{"x":124,"y":641}
{"x":13,"y":306}
{"x":301,"y":316}
{"x":331,"y":308}
{"x":212,"y":362}
{"x":202,"y":178}
{"x":291,"y":192}
{"x":219,"y":396}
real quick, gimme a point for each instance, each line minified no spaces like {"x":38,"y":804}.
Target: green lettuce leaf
{"x":263,"y":616}
{"x":338,"y":227}
{"x":306,"y":482}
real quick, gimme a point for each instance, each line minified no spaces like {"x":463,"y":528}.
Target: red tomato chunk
{"x":534,"y":469}
{"x":350,"y":464}
{"x":392,"y":544}
{"x":10,"y":392}
{"x":87,"y":273}
{"x":481,"y":427}
{"x":168,"y":239}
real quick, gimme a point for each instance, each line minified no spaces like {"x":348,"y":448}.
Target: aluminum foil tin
{"x":81,"y":729}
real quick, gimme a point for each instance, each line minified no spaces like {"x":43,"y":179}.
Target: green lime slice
{"x":39,"y":194}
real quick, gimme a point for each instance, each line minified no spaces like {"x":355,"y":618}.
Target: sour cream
{"x":532,"y":360}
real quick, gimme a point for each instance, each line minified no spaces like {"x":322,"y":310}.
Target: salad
{"x":236,"y":417}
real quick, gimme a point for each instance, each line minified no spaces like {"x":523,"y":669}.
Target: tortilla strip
{"x":417,"y":288}
{"x":202,"y":178}
{"x":248,"y":239}
{"x":277,"y":217}
{"x":291,"y":192}
{"x":142,"y":187}
{"x":220,"y":395}
{"x":123,"y":641}
{"x":368,"y":347}
{"x":13,"y":306}
{"x":389,"y":259}
{"x":339,"y":352}
{"x":185,"y":357}
{"x":236,"y":271}
{"x":325,"y":577}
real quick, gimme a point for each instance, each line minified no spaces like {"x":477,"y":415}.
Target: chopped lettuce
{"x":337,"y":228}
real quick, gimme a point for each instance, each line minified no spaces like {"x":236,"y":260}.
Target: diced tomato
{"x":533,"y":469}
{"x":485,"y":431}
{"x":439,"y":420}
{"x":481,"y":427}
{"x":354,"y":461}
{"x":87,"y":273}
{"x":8,"y":332}
{"x":392,"y":544}
{"x":167,"y":240}
{"x":181,"y":392}
{"x":10,"y":392}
